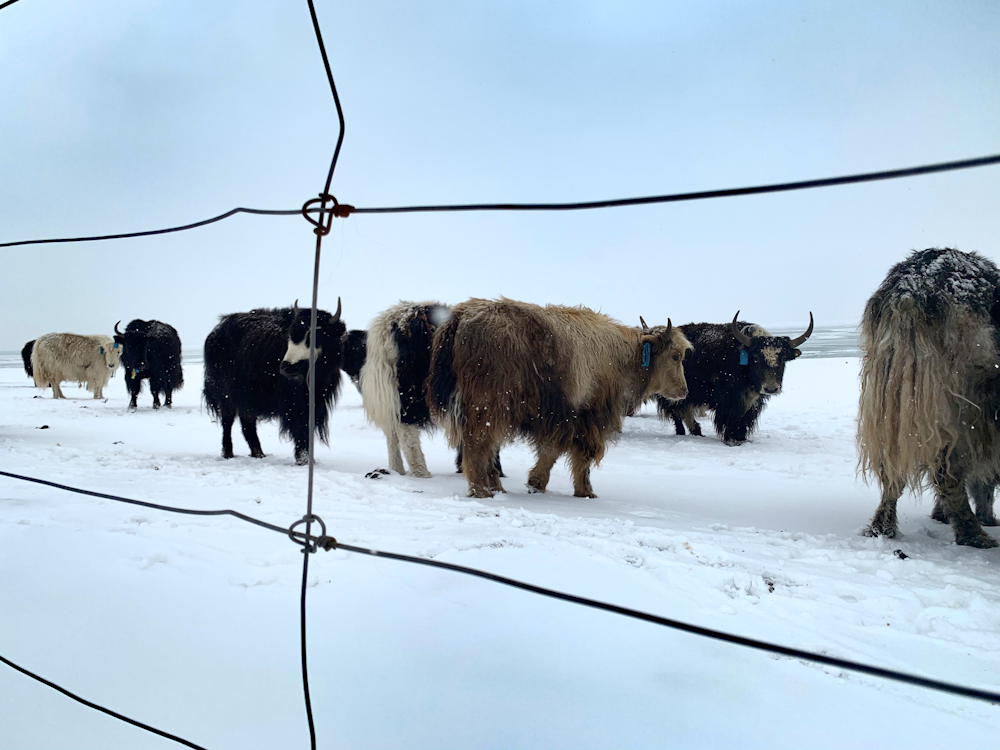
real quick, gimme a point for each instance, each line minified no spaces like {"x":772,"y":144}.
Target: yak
{"x":26,"y":357}
{"x":561,"y":377}
{"x":151,"y":350}
{"x":733,"y":370}
{"x":930,"y":389}
{"x":90,"y":360}
{"x":390,"y":362}
{"x":257,"y":365}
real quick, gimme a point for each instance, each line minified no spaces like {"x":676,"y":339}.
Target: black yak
{"x":256,"y":367}
{"x":562,"y":377}
{"x":733,"y":370}
{"x":151,"y":351}
{"x":930,"y":389}
{"x":26,"y":357}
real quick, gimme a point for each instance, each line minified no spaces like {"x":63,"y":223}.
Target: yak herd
{"x":564,"y":378}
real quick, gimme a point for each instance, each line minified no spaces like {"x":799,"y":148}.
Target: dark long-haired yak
{"x":256,"y":367}
{"x":561,"y":377}
{"x":930,"y":389}
{"x":151,"y":351}
{"x":734,"y":369}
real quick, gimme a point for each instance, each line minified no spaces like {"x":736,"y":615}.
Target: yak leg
{"x":679,"y":426}
{"x":579,"y":463}
{"x":496,"y":462}
{"x":884,"y":522}
{"x":538,"y":477}
{"x":982,"y":498}
{"x":950,"y":490}
{"x":248,"y":423}
{"x":156,"y":398}
{"x":168,"y":400}
{"x":410,"y":439}
{"x":56,"y":390}
{"x":392,"y":444}
{"x":692,"y":424}
{"x":477,"y":465}
{"x":227,"y":434}
{"x":493,"y":472}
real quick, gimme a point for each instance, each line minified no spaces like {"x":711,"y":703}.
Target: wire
{"x":781,"y":187}
{"x":98,"y":707}
{"x":329,"y":543}
{"x":9,"y":2}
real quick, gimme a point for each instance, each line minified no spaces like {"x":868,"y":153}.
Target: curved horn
{"x":336,"y":315}
{"x":644,"y":326}
{"x":670,"y":327}
{"x":117,"y":332}
{"x":295,"y":309}
{"x":801,"y":339}
{"x":737,"y":333}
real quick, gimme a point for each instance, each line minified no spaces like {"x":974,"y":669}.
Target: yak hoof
{"x":584,"y":494}
{"x":989,"y":521}
{"x":938,"y":514}
{"x":227,"y":455}
{"x":875,"y":530}
{"x":532,"y":490}
{"x":733,"y":442}
{"x":420,"y":473}
{"x":479,"y":493}
{"x":261,"y":454}
{"x":979,"y":541}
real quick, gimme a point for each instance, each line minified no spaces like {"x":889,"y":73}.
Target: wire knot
{"x":309,"y":542}
{"x":326,"y":214}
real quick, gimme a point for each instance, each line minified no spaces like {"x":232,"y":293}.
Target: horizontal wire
{"x":9,"y":2}
{"x":331,"y":543}
{"x":98,"y":707}
{"x":345,"y":210}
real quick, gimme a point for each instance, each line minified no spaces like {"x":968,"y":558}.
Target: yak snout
{"x":296,"y":371}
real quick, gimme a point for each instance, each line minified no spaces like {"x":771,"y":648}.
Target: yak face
{"x":111,"y":354}
{"x":133,"y":346}
{"x":662,"y":350}
{"x":765,"y":356}
{"x":329,"y":330}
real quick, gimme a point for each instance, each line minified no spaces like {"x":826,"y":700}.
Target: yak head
{"x":110,"y":352}
{"x":765,"y":356}
{"x":329,"y":332}
{"x":661,"y":352}
{"x":355,"y":348}
{"x":133,"y":346}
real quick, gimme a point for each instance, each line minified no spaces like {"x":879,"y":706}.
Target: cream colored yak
{"x":90,"y":360}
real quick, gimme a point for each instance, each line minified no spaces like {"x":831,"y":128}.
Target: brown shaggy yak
{"x":930,"y":389}
{"x":561,"y":377}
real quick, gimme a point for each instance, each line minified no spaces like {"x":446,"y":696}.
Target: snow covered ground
{"x":190,"y":624}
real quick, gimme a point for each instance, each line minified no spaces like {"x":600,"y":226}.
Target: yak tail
{"x":442,"y":399}
{"x":920,"y":380}
{"x":378,"y":377}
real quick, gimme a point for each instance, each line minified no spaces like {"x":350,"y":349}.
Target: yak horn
{"x":670,"y":327}
{"x":336,"y":316}
{"x":644,"y":326}
{"x":801,"y":339}
{"x":737,"y":333}
{"x":117,"y":332}
{"x":295,"y":309}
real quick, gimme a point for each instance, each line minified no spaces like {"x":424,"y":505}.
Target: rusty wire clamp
{"x":340,"y":210}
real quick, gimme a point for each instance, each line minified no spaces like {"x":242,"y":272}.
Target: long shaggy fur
{"x":930,"y":383}
{"x":561,"y":377}
{"x":736,"y":393}
{"x":58,"y":357}
{"x":394,"y":374}
{"x":245,"y":375}
{"x":151,"y":351}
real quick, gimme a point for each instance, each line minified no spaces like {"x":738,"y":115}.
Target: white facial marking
{"x":771,"y":355}
{"x":298,"y":352}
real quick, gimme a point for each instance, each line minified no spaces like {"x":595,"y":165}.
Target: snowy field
{"x":190,"y":624}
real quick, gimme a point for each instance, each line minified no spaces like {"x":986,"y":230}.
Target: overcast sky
{"x":126,"y":115}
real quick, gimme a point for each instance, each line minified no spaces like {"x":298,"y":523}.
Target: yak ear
{"x":796,"y":353}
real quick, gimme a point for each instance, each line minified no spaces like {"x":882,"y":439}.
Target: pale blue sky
{"x":124,"y":115}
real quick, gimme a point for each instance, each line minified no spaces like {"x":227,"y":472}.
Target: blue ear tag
{"x":744,"y":358}
{"x":116,"y":345}
{"x":646,"y":348}
{"x":102,"y":350}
